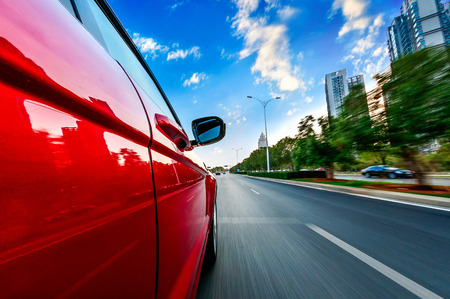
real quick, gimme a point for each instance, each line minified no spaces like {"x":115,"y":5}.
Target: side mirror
{"x":207,"y":130}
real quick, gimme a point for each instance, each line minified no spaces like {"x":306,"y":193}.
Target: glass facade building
{"x":422,"y":23}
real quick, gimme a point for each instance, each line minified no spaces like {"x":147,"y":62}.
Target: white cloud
{"x":358,"y":24}
{"x":177,"y":4}
{"x":195,"y":101}
{"x":349,"y":57}
{"x":244,"y":119}
{"x":353,"y":12}
{"x":175,"y":55}
{"x":271,"y":44}
{"x":351,"y":9}
{"x":291,"y":112}
{"x":226,"y":55}
{"x":378,"y":51}
{"x":308,"y":99}
{"x":148,"y":45}
{"x":287,"y":12}
{"x":217,"y":150}
{"x":195,"y":79}
{"x":375,"y":66}
{"x":368,"y":42}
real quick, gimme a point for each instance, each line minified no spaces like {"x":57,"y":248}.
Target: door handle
{"x":173,"y":131}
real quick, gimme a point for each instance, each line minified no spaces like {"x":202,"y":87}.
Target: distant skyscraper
{"x":355,"y":80}
{"x":262,"y":141}
{"x":422,"y":23}
{"x":337,"y":87}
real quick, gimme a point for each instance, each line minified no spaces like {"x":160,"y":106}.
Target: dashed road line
{"x":255,"y":191}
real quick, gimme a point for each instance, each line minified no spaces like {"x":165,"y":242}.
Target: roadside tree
{"x":321,"y":149}
{"x":417,"y":90}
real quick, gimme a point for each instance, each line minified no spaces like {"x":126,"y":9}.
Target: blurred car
{"x":218,"y":173}
{"x":386,"y":171}
{"x":101,"y":192}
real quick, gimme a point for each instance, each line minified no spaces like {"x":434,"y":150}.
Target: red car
{"x":101,"y":194}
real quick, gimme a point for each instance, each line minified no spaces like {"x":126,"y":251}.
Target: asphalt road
{"x":431,"y":180}
{"x":283,"y":241}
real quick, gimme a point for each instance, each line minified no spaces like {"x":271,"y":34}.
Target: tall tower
{"x":262,"y":141}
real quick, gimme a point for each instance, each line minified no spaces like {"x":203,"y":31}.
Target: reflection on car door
{"x":181,"y":207}
{"x":77,"y":202}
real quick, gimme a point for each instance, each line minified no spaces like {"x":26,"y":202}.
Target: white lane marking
{"x":255,"y":191}
{"x":402,"y":280}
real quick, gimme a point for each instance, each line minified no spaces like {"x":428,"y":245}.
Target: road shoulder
{"x":378,"y":194}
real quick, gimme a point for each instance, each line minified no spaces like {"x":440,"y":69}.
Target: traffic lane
{"x":436,"y":181}
{"x":413,"y":240}
{"x":268,"y":250}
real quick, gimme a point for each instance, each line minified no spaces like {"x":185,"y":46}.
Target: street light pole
{"x":264,"y":104}
{"x":237,"y":155}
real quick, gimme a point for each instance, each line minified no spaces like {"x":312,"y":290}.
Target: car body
{"x":101,"y":193}
{"x":217,"y":172}
{"x":386,"y":171}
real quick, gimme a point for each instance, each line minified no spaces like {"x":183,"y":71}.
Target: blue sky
{"x":210,"y":55}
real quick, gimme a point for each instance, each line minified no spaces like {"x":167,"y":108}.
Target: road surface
{"x":283,"y":241}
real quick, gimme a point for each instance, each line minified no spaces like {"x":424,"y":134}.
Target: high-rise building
{"x":262,"y":141}
{"x":422,"y":23}
{"x":337,"y":87}
{"x":399,"y":38}
{"x":355,"y":80}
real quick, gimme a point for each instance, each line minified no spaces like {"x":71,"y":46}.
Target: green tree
{"x":319,"y":149}
{"x":417,"y":90}
{"x":280,"y":154}
{"x":358,"y":129}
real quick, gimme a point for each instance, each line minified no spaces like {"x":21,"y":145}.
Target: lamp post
{"x":264,"y":103}
{"x":237,"y":154}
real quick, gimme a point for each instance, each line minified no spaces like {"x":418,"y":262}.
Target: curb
{"x":379,"y":194}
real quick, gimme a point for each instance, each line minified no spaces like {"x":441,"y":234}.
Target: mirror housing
{"x":207,"y":130}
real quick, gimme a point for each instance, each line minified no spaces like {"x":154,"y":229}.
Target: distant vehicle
{"x":218,"y":173}
{"x":386,"y":171}
{"x":224,"y":172}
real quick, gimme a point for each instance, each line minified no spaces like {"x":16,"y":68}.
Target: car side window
{"x":68,"y":5}
{"x":106,"y":34}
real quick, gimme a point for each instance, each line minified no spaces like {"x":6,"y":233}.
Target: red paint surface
{"x":77,"y":199}
{"x":76,"y":193}
{"x":184,"y":192}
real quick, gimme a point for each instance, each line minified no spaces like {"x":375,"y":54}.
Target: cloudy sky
{"x":209,"y":55}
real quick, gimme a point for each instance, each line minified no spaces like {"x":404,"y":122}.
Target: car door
{"x":77,"y":202}
{"x":180,"y":178}
{"x":183,"y":205}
